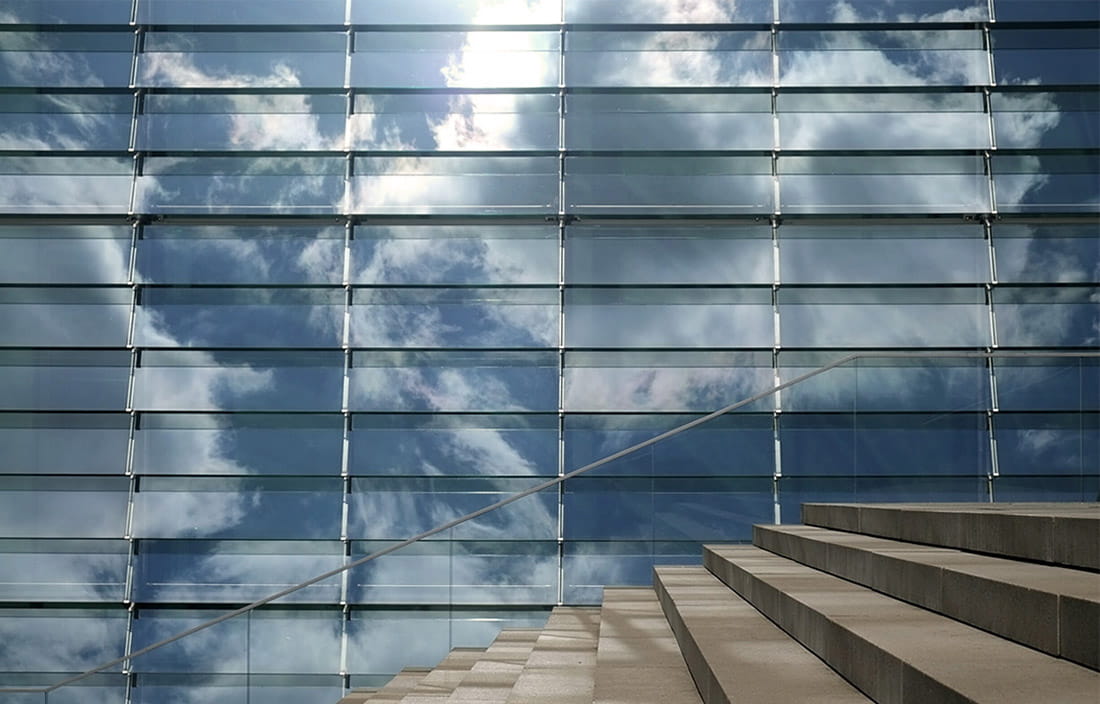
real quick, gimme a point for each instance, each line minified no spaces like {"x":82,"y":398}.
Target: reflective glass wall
{"x":282,"y":281}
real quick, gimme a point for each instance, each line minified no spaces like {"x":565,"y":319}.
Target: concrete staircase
{"x":914,"y":603}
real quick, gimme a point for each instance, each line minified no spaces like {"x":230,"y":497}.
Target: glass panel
{"x":1055,"y":120}
{"x":66,"y":12}
{"x":452,"y":12}
{"x":1010,"y":10}
{"x":63,"y":570}
{"x":64,"y":254}
{"x":239,"y":317}
{"x":453,"y":444}
{"x":870,"y":384}
{"x":664,"y":380}
{"x":882,"y":121}
{"x":883,"y":184}
{"x":454,"y":381}
{"x":64,"y":380}
{"x":457,"y":572}
{"x":1047,"y":252}
{"x":910,"y":253}
{"x":256,"y":122}
{"x":290,"y":12}
{"x":449,"y":184}
{"x":412,"y":317}
{"x":455,"y":122}
{"x":66,"y":59}
{"x":240,"y":255}
{"x":497,"y":59}
{"x":736,"y":444}
{"x":65,"y":184}
{"x":902,"y":57}
{"x":1048,"y":444}
{"x":212,"y":571}
{"x":876,"y":11}
{"x":61,"y":640}
{"x":156,"y":688}
{"x":194,"y":380}
{"x":220,"y":184}
{"x":668,"y":254}
{"x":455,"y":254}
{"x":868,"y":445}
{"x":63,"y":506}
{"x":63,"y":443}
{"x":869,"y":317}
{"x":645,"y":12}
{"x":259,"y":642}
{"x":1048,"y":384}
{"x":666,"y":59}
{"x":1046,"y":182}
{"x":238,"y":444}
{"x":647,"y":508}
{"x":252,"y":59}
{"x":64,"y":317}
{"x":391,"y":508}
{"x":669,"y":184}
{"x":65,"y":121}
{"x":669,"y":317}
{"x":1066,"y":316}
{"x":1034,"y":56}
{"x":224,"y":507}
{"x":668,"y":121}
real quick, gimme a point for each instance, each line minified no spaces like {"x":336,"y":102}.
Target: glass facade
{"x":284,"y":281}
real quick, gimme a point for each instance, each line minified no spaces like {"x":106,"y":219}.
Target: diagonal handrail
{"x":896,"y":354}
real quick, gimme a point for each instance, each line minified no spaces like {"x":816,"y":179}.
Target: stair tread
{"x":735,"y":653}
{"x":932,"y":651}
{"x":401,"y":684}
{"x":560,"y":668}
{"x":637,"y":660}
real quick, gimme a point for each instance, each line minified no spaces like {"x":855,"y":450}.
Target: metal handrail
{"x":899,"y":354}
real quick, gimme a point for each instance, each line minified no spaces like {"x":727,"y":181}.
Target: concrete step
{"x":438,"y":684}
{"x":562,"y":664}
{"x":1052,"y":609}
{"x":401,"y":684}
{"x":638,"y":660}
{"x":492,"y":677}
{"x":893,"y":651}
{"x":734,"y":653}
{"x":1066,"y":534}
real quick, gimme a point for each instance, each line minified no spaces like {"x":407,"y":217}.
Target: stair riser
{"x":1057,"y":625}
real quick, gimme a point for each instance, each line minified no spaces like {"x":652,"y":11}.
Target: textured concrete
{"x":492,"y":677}
{"x":638,"y":660}
{"x":562,"y":664}
{"x":1065,"y":534}
{"x":734,"y":653}
{"x":358,"y":696}
{"x":445,"y":677}
{"x":1053,"y":609}
{"x":893,"y":651}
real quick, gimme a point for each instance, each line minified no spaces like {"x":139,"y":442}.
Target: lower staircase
{"x":914,"y":603}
